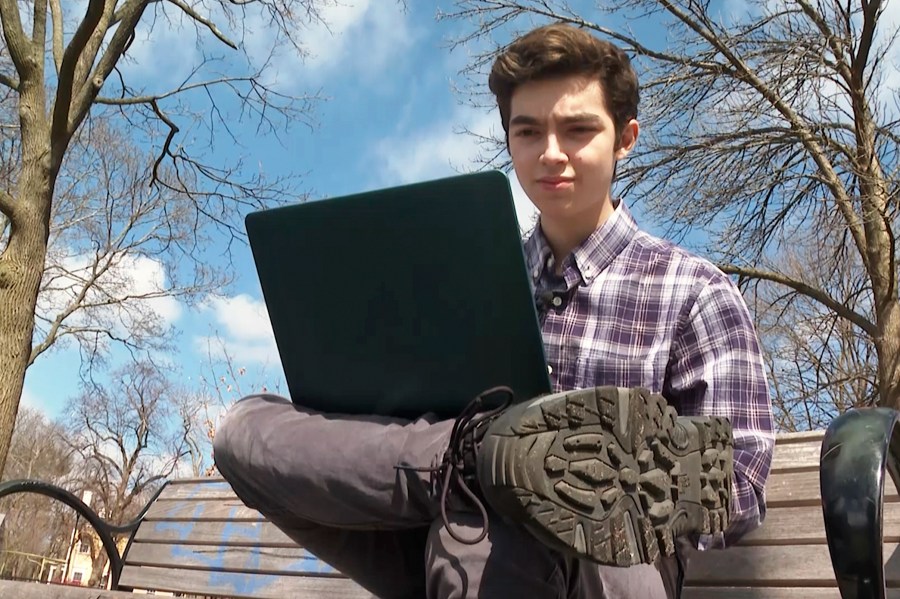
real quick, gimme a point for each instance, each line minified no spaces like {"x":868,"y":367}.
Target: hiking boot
{"x":608,"y":474}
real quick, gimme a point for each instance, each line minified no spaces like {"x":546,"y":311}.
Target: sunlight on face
{"x":562,"y":141}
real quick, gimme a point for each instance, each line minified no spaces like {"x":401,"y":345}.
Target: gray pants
{"x":330,"y":482}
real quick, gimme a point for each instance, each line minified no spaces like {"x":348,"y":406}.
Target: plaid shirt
{"x":635,"y":310}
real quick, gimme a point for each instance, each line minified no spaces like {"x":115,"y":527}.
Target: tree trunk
{"x":21,"y":267}
{"x":22,"y":262}
{"x":888,"y":347}
{"x":98,"y":563}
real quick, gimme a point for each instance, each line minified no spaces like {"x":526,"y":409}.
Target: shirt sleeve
{"x":717,"y":369}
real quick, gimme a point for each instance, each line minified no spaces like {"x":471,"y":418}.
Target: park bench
{"x":196,"y":537}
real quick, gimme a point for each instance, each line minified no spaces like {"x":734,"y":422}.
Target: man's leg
{"x":507,"y":563}
{"x":334,"y":470}
{"x":331,"y":483}
{"x":661,"y":580}
{"x":388,"y":563}
{"x":510,"y":563}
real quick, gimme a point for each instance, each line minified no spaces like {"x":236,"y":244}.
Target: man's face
{"x":563,"y":146}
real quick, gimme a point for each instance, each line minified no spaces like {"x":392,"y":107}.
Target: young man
{"x":553,"y":496}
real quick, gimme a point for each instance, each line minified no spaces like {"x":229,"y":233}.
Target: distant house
{"x":80,"y":566}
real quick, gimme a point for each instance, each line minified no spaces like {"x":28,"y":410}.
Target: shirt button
{"x":535,"y":274}
{"x":549,"y":369}
{"x":557,"y":301}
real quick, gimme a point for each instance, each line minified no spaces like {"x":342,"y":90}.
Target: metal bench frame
{"x":104,"y":529}
{"x":860,"y":446}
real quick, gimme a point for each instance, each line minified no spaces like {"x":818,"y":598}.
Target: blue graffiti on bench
{"x":249,"y":533}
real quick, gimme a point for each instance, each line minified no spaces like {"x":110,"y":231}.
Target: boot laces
{"x":459,"y":459}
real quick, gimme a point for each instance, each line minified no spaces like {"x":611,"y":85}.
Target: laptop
{"x":401,"y":301}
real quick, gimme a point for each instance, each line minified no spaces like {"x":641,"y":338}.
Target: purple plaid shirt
{"x":635,"y":310}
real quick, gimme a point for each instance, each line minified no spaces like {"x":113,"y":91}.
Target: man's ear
{"x":628,"y":138}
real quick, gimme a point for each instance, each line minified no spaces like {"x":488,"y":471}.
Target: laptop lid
{"x":401,"y":301}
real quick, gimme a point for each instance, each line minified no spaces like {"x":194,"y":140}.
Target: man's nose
{"x":553,"y":152}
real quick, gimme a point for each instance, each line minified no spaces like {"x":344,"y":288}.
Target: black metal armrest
{"x":104,"y":529}
{"x":858,"y":448}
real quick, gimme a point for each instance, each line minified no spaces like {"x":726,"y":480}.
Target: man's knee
{"x":235,"y":432}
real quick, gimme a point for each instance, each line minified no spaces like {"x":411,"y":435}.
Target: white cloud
{"x":355,"y":39}
{"x":129,"y":293}
{"x":147,"y":276}
{"x":244,"y":331}
{"x":443,"y":149}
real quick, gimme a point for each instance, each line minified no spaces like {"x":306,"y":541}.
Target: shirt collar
{"x":594,"y":254}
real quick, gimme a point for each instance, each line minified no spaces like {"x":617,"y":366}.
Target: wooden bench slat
{"x":791,"y":565}
{"x":211,"y":488}
{"x":782,"y":525}
{"x":204,"y":532}
{"x":209,"y":509}
{"x":802,"y":525}
{"x":789,"y":456}
{"x":782,"y":489}
{"x":270,"y":560}
{"x":17,"y":589}
{"x":239,"y":586}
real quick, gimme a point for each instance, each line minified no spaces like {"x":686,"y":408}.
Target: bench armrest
{"x":859,"y":447}
{"x":104,"y":529}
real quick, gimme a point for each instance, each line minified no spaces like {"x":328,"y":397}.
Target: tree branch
{"x":16,"y":41}
{"x":98,"y":269}
{"x":804,"y":289}
{"x":870,"y":20}
{"x":205,"y":22}
{"x":7,"y":205}
{"x":9,"y":82}
{"x":131,"y":13}
{"x":56,"y":15}
{"x":173,"y":129}
{"x":834,"y":42}
{"x":39,"y":35}
{"x":134,"y":100}
{"x":60,"y":130}
{"x":89,"y":54}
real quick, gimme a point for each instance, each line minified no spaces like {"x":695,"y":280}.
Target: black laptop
{"x":401,"y":301}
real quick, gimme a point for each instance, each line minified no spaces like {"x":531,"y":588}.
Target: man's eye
{"x":582,"y":129}
{"x":525,"y":132}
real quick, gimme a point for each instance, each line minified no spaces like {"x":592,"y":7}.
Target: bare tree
{"x":120,"y":253}
{"x":821,"y":364}
{"x":222,"y":382}
{"x":770,"y":128}
{"x":60,"y":72}
{"x":36,"y":528}
{"x":129,"y":437}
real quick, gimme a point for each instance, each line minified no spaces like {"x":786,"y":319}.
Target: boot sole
{"x":607,"y":474}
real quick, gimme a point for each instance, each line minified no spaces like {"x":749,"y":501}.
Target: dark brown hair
{"x":561,"y":50}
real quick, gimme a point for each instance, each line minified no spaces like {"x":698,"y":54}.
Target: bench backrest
{"x":199,"y":538}
{"x":787,"y":557}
